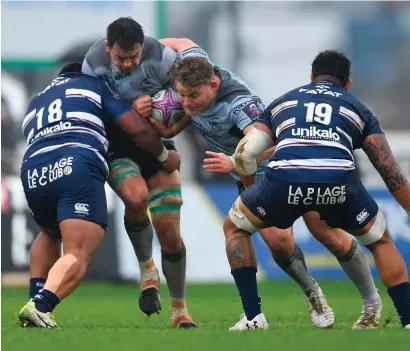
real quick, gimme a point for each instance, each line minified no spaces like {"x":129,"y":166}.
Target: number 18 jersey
{"x":316,"y":127}
{"x":73,"y":112}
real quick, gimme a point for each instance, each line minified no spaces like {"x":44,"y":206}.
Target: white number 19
{"x":320,"y":113}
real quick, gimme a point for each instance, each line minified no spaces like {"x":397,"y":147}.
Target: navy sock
{"x":46,"y":301}
{"x":35,"y":285}
{"x":245,"y":280}
{"x":400,"y":294}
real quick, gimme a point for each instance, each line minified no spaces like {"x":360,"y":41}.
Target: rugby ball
{"x":166,"y":108}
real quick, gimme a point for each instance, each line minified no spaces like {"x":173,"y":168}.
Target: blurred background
{"x":269,"y":44}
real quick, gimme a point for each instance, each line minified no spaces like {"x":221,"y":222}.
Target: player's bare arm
{"x":266,"y":154}
{"x":379,"y":153}
{"x":146,"y":137}
{"x":178,"y":44}
{"x":172,"y":130}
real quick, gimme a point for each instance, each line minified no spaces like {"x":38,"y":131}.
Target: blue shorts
{"x":280,"y":204}
{"x":65,"y":184}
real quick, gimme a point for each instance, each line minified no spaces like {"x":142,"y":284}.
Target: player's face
{"x":125,"y":61}
{"x":196,"y":100}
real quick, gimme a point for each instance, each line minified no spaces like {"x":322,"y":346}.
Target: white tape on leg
{"x":239,"y":219}
{"x":376,"y":231}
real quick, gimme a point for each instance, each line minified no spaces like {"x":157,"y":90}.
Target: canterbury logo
{"x":261,"y":210}
{"x":81,"y":208}
{"x":362,"y":216}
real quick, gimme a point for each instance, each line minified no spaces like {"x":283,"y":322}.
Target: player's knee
{"x":278,"y":240}
{"x":335,"y":240}
{"x":377,"y":232}
{"x":135,"y":198}
{"x":229,"y":227}
{"x":81,"y":238}
{"x":165,"y":203}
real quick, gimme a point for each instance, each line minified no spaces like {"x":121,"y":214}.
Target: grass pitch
{"x":106,"y":317}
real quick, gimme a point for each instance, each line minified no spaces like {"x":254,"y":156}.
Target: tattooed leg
{"x":241,"y":257}
{"x":240,"y":251}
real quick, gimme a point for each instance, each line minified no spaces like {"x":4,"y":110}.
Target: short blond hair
{"x":193,"y":71}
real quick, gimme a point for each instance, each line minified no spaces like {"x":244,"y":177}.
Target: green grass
{"x":106,"y":317}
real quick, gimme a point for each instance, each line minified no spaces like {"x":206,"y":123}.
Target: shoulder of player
{"x":98,"y":58}
{"x":352,"y":103}
{"x":152,"y":50}
{"x":246,"y":106}
{"x":288,"y":96}
{"x":230,"y":89}
{"x":97,"y":50}
{"x":239,"y":101}
{"x":90,"y":83}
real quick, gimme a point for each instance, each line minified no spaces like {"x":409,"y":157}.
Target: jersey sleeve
{"x":245,"y":111}
{"x":87,"y":69}
{"x":113,"y":105}
{"x":372,"y":124}
{"x":265,"y":117}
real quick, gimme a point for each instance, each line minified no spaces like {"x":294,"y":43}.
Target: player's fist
{"x":173,"y":162}
{"x":218,"y":162}
{"x":143,"y":105}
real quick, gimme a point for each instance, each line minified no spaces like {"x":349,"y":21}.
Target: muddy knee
{"x":279,"y":241}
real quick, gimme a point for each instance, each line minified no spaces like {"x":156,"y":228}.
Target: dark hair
{"x":193,"y":71}
{"x":332,"y":63}
{"x":125,"y":32}
{"x":74,"y":67}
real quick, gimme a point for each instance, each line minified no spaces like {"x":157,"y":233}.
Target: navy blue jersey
{"x":73,"y":111}
{"x":316,"y":128}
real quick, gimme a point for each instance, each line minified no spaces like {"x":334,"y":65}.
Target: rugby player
{"x":63,"y":176}
{"x":136,"y":67}
{"x":223,"y":109}
{"x":315,"y":129}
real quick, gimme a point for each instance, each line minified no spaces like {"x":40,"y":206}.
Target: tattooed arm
{"x":380,"y":155}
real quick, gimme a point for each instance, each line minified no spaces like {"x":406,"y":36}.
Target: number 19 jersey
{"x":316,"y":128}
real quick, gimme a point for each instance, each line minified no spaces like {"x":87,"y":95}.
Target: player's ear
{"x":107,"y":47}
{"x":214,"y":85}
{"x":348,"y":84}
{"x":312,"y":78}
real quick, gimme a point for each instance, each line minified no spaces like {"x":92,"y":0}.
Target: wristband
{"x":164,"y":155}
{"x":232,"y":157}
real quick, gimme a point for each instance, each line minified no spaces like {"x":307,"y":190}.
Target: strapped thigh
{"x":376,"y":232}
{"x":122,"y":169}
{"x":165,"y":202}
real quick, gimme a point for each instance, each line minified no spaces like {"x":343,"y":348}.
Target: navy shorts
{"x":65,"y":185}
{"x":280,"y":204}
{"x":122,"y":146}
